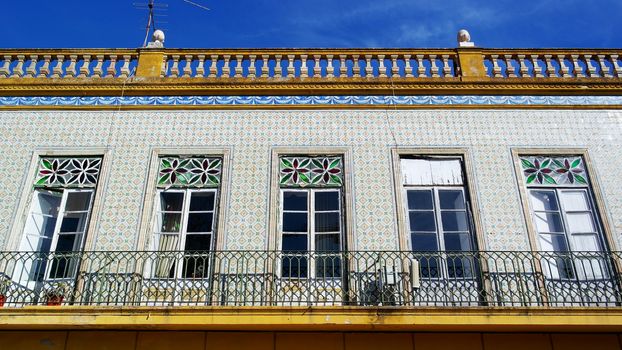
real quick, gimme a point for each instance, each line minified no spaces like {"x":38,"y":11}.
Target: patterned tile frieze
{"x":304,"y":171}
{"x":568,"y":171}
{"x":189,"y":172}
{"x":304,"y":100}
{"x":370,"y":134}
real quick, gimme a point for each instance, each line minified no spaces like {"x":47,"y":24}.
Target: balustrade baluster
{"x":550,"y":69}
{"x":434,"y":67}
{"x":187,"y":73}
{"x":265,"y":67}
{"x":395,"y":69}
{"x":31,"y":70}
{"x":317,"y":68}
{"x":330,"y":69}
{"x":226,"y":70}
{"x":57,"y":72}
{"x":591,"y":69}
{"x":213,"y":67}
{"x":420,"y":67}
{"x":45,"y":68}
{"x":446,"y":66}
{"x":4,"y":70}
{"x":175,"y":67}
{"x":304,"y":72}
{"x":112,"y":67}
{"x":564,"y":68}
{"x":343,"y":68}
{"x":18,"y":70}
{"x":356,"y":68}
{"x":278,"y":69}
{"x":382,"y":70}
{"x":369,"y":70}
{"x":524,"y":70}
{"x":200,"y":70}
{"x":125,"y":68}
{"x":616,"y":66}
{"x":252,"y":70}
{"x":578,"y":71}
{"x":239,"y":72}
{"x":407,"y":67}
{"x":537,"y":70}
{"x":291,"y":70}
{"x":98,"y":68}
{"x":606,"y":72}
{"x":496,"y":68}
{"x":164,"y":70}
{"x":71,"y":68}
{"x":510,"y":70}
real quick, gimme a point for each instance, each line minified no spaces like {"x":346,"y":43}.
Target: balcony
{"x":288,"y":279}
{"x":139,"y":72}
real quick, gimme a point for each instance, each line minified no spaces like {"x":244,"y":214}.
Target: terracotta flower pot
{"x":55,"y":300}
{"x":2,"y":300}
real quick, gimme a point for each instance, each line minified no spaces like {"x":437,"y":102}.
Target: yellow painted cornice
{"x":314,"y":318}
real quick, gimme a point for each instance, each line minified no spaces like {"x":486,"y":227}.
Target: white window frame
{"x":182,"y":233}
{"x":311,"y":228}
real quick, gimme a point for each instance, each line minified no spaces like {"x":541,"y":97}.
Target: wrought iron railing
{"x":363,"y":278}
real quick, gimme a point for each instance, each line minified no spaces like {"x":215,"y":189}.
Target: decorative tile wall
{"x":250,"y":134}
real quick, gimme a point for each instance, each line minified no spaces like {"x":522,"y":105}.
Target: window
{"x":438,"y":216}
{"x":311,"y":216}
{"x":564,"y":216}
{"x":185,"y":215}
{"x":59,"y":214}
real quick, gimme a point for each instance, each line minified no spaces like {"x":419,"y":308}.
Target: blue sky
{"x":316,"y":23}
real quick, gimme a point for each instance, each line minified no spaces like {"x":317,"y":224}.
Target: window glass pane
{"x":198,"y":243}
{"x":327,"y":222}
{"x":75,"y":222}
{"x":78,"y":201}
{"x":328,"y":266}
{"x":544,"y":200}
{"x":168,"y":242}
{"x":553,"y":243}
{"x":293,"y":200}
{"x":202,"y":201}
{"x":548,"y":222}
{"x":294,"y":222}
{"x":422,"y":221}
{"x":419,"y":199}
{"x":47,"y":203}
{"x":580,"y":222}
{"x":431,"y":171}
{"x":294,"y":266}
{"x":451,"y":199}
{"x":585,"y":243}
{"x":294,"y":243}
{"x":574,"y":201}
{"x":327,"y":243}
{"x":424,"y":242}
{"x":171,"y":201}
{"x":454,"y":221}
{"x":170,"y":222}
{"x":65,"y":243}
{"x":457,"y":242}
{"x":326,"y":200}
{"x":200,"y":222}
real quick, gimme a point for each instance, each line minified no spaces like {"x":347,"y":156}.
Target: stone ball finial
{"x":464,"y":38}
{"x":158,"y":36}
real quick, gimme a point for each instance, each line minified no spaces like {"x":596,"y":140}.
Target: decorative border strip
{"x":305,"y":100}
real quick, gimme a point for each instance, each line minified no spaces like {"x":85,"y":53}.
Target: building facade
{"x":294,"y":198}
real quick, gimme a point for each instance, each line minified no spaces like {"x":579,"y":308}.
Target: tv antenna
{"x":154,"y":10}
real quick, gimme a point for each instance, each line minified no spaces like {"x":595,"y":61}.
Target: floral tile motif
{"x":68,"y":172}
{"x":189,"y":172}
{"x":311,"y":171}
{"x":540,"y":170}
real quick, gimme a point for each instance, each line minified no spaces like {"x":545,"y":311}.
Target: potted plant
{"x":5,"y":284}
{"x":54,"y":295}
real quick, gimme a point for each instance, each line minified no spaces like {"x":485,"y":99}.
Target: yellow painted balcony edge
{"x":315,"y":318}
